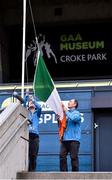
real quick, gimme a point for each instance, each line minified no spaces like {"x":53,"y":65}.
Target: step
{"x":64,"y":175}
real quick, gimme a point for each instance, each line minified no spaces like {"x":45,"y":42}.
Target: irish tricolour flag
{"x":45,"y":89}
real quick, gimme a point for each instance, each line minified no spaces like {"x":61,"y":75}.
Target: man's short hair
{"x":76,"y":101}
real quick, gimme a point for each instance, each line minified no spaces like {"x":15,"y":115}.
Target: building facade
{"x":95,"y":149}
{"x":75,"y":39}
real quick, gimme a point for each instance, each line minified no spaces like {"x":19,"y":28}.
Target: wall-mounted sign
{"x":71,"y":52}
{"x":75,"y":51}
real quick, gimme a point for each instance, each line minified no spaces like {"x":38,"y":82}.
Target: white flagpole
{"x":23,"y":50}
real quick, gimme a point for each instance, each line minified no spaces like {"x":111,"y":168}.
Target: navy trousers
{"x":33,"y":150}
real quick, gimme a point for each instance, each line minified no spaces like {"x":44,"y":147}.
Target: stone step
{"x":64,"y":175}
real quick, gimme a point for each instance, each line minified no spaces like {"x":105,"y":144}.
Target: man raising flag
{"x":46,"y":91}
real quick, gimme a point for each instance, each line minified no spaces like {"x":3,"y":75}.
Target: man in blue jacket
{"x":34,"y":115}
{"x":71,"y":138}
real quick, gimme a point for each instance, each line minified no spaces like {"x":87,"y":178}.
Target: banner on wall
{"x":74,"y":52}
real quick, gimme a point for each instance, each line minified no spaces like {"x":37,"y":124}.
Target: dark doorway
{"x":103,"y":140}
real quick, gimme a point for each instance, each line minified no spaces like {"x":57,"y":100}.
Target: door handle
{"x":95,"y":125}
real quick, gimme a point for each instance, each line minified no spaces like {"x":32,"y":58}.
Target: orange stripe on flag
{"x":62,"y":127}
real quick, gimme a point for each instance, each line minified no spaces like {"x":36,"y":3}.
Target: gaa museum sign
{"x":74,"y":42}
{"x":76,"y":52}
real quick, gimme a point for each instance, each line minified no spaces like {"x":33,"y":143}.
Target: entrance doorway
{"x":103,"y":140}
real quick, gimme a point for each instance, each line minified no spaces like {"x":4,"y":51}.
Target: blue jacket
{"x":34,"y":117}
{"x":73,"y":127}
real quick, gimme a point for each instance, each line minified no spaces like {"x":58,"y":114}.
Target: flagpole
{"x":23,"y":49}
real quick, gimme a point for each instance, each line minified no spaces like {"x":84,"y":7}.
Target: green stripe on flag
{"x":43,"y":84}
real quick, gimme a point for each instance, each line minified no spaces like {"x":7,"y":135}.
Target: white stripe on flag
{"x":54,"y":102}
